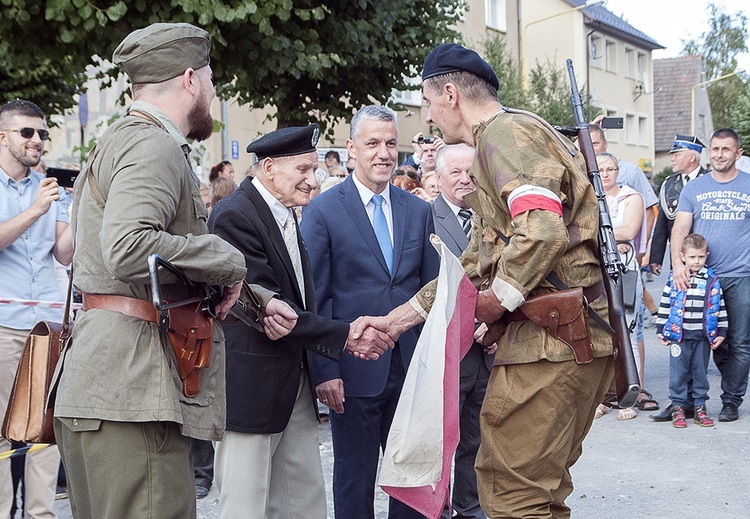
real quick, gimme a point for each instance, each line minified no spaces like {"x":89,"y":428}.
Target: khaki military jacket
{"x":120,"y":368}
{"x":515,"y":149}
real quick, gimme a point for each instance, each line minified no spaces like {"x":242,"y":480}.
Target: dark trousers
{"x":733,"y":357}
{"x":202,"y":452}
{"x":358,"y":435}
{"x":465,"y":500}
{"x":690,"y":364}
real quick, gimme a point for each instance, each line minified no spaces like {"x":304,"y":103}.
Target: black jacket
{"x":263,"y":375}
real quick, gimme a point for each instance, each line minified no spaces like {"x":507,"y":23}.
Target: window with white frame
{"x":630,"y":129}
{"x":643,"y":131}
{"x":495,"y":14}
{"x":596,"y":50}
{"x":642,"y":66}
{"x":409,"y":97}
{"x":610,"y":56}
{"x":630,"y":61}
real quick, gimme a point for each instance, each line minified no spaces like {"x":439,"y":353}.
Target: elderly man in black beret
{"x":125,"y":411}
{"x":269,"y":462}
{"x":537,"y":214}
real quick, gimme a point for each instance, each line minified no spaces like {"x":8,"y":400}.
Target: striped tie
{"x":465,"y":216}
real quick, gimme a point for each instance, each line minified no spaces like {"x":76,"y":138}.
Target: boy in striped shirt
{"x":692,"y":322}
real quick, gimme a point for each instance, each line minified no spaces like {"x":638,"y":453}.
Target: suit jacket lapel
{"x":398,"y":214}
{"x":266,"y":216}
{"x":448,"y":220}
{"x":352,"y":203}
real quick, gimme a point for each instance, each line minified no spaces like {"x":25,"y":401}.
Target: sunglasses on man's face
{"x":400,"y":173}
{"x":28,"y":133}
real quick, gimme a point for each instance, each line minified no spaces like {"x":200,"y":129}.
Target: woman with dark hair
{"x":223,"y":169}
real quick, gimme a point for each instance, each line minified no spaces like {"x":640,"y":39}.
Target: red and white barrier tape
{"x":39,"y":304}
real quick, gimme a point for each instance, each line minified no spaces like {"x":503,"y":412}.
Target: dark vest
{"x":669,"y":194}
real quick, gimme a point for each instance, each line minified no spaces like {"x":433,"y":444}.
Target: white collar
{"x":280,"y":211}
{"x":366,"y":194}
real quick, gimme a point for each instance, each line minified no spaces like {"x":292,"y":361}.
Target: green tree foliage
{"x":720,"y":44}
{"x":549,"y":90}
{"x":311,"y":60}
{"x":662,"y":175}
{"x":740,"y":117}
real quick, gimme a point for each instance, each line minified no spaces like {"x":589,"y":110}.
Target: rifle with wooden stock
{"x":626,"y":373}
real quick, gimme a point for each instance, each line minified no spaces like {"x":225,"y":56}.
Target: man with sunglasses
{"x":33,"y":230}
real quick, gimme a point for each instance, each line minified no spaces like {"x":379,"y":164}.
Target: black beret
{"x":451,"y":57}
{"x":162,"y":51}
{"x":286,"y":142}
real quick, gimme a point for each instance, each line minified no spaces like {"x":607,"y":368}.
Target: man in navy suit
{"x":453,"y":224}
{"x":370,"y":252}
{"x":269,"y":462}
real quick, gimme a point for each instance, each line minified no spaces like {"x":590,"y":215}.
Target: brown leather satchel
{"x":563,"y":315}
{"x":28,"y":417}
{"x":191,"y":334}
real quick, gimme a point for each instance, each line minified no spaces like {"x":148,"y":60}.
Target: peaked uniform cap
{"x":162,"y":51}
{"x":686,"y":142}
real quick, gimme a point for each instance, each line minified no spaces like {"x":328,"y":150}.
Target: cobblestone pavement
{"x":635,"y":468}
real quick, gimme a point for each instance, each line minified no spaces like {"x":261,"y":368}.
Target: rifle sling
{"x":561,"y":285}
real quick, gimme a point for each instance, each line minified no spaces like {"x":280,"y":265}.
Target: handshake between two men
{"x":369,"y":337}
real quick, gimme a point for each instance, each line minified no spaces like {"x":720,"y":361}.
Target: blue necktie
{"x":380,"y":225}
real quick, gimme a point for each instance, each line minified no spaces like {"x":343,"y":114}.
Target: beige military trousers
{"x":533,"y":422}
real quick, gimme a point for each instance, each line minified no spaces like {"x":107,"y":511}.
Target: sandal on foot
{"x":627,"y":413}
{"x":601,"y":410}
{"x":678,"y":417}
{"x":648,"y":403}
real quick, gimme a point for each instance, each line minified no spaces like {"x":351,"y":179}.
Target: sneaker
{"x":701,"y":418}
{"x":678,"y":417}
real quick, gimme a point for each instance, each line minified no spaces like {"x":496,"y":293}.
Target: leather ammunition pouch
{"x":563,"y":315}
{"x":190,"y":332}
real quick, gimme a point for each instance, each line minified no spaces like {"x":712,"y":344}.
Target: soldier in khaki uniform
{"x":531,"y":187}
{"x":123,"y":420}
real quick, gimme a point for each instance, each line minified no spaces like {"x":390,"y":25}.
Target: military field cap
{"x":286,"y":142}
{"x":686,"y":142}
{"x":162,"y":51}
{"x":452,"y":57}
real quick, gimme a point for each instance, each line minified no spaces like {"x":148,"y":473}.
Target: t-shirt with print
{"x":721,"y":214}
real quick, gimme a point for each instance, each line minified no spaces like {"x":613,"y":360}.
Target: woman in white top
{"x":628,"y":213}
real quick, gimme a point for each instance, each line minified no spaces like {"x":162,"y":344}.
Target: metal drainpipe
{"x":520,"y":29}
{"x":225,"y":130}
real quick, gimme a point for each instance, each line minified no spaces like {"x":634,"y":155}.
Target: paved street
{"x":636,"y":468}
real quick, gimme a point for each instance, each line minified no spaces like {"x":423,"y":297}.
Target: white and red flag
{"x":424,"y":435}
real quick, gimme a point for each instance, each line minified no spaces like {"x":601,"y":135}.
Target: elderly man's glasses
{"x":28,"y":133}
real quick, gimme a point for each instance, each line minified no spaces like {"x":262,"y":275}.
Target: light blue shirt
{"x":27,"y":266}
{"x":633,"y":176}
{"x":366,"y":194}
